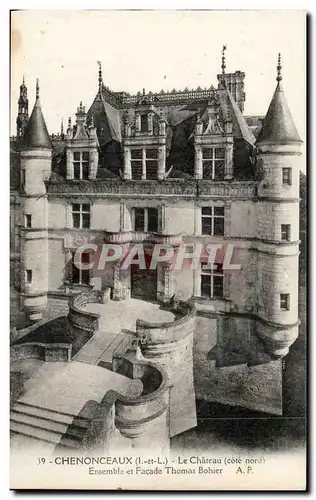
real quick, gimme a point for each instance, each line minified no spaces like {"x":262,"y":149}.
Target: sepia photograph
{"x":158,"y":250}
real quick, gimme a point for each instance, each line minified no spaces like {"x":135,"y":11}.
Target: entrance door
{"x":143,"y":283}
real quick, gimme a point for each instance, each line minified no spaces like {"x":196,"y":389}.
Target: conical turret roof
{"x":278,"y":126}
{"x":35,"y":134}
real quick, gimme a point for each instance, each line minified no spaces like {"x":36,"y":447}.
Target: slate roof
{"x":35,"y":134}
{"x":278,"y":126}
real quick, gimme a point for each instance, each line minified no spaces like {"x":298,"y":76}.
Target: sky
{"x":154,"y":50}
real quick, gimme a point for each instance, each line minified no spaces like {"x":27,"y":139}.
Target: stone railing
{"x":172,"y":97}
{"x":168,"y":332}
{"x":84,"y":320}
{"x":140,"y":417}
{"x":83,"y":324}
{"x":143,"y":419}
{"x":170,"y":187}
{"x":142,"y":236}
{"x":53,"y":351}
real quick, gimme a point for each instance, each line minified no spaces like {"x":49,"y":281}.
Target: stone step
{"x":19,"y":442}
{"x":107,"y":354}
{"x":49,"y":415}
{"x":36,"y":432}
{"x":36,"y":421}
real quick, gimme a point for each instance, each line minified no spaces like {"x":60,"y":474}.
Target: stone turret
{"x":278,"y":151}
{"x":36,"y":156}
{"x":23,"y":111}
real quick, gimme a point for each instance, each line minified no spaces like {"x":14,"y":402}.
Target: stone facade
{"x":170,"y":168}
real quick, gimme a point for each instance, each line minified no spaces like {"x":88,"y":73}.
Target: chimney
{"x":234,"y":82}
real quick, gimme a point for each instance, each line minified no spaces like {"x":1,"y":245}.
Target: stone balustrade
{"x":142,"y":236}
{"x":170,"y":187}
{"x":158,"y":334}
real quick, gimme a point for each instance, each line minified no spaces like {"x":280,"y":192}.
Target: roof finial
{"x":62,"y":127}
{"x":223,"y":59}
{"x":37,"y":89}
{"x":100,"y":76}
{"x":279,"y":68}
{"x":23,"y":81}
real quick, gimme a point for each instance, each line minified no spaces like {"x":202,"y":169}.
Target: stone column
{"x":137,"y":122}
{"x":169,"y":280}
{"x":127,"y":164}
{"x":150,"y":124}
{"x":121,"y":282}
{"x":229,"y":167}
{"x":198,"y":168}
{"x":69,"y":165}
{"x":161,"y":162}
{"x":93,"y":167}
{"x":122,"y":218}
{"x":143,"y":165}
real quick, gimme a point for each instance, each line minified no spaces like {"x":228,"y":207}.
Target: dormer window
{"x":144,"y":163}
{"x":213,"y":161}
{"x":81,"y":165}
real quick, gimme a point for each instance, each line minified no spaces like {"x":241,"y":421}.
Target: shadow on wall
{"x":220,"y":425}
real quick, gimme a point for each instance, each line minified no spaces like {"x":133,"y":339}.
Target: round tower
{"x":278,"y":164}
{"x":23,"y":111}
{"x":36,"y":157}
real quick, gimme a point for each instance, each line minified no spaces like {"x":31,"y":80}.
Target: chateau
{"x":180,"y":168}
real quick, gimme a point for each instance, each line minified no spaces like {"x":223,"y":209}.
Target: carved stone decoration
{"x":121,"y":289}
{"x":168,"y":281}
{"x":214,"y":126}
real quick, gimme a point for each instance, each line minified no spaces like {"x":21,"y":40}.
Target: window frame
{"x":145,"y":218}
{"x":287,"y":179}
{"x":81,"y":272}
{"x":28,"y":276}
{"x":284,"y":301}
{"x":212,"y":216}
{"x":211,"y":273}
{"x":84,"y":165}
{"x":213,"y":161}
{"x":81,"y":213}
{"x":28,"y":221}
{"x":143,"y":162}
{"x":286,"y":231}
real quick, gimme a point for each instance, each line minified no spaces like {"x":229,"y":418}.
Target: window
{"x":137,"y":164}
{"x":144,"y":123}
{"x":81,"y":215}
{"x":146,"y":219}
{"x":151,"y":158}
{"x":28,"y":276}
{"x":80,"y":276}
{"x":285,"y":301}
{"x":212,"y":282}
{"x":285,"y":232}
{"x":213,"y":161}
{"x":28,"y":220}
{"x":144,"y":163}
{"x":81,"y":165}
{"x":287,"y":176}
{"x":22,"y":178}
{"x":213,"y":221}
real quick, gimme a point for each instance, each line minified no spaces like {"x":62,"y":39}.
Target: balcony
{"x":121,"y":238}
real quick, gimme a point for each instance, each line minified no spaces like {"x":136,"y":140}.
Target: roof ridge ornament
{"x":279,"y":68}
{"x":223,"y":60}
{"x":100,"y":79}
{"x":37,"y":88}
